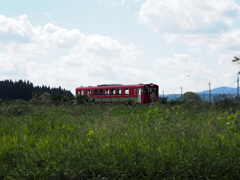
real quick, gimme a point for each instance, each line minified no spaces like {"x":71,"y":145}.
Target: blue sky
{"x":75,"y":43}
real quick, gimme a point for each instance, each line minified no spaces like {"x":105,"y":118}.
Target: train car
{"x":141,"y":93}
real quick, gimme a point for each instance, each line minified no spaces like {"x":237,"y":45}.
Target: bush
{"x":226,"y":101}
{"x":60,"y":99}
{"x":131,"y":102}
{"x":15,"y":107}
{"x":174,"y":102}
{"x":163,"y":100}
{"x":190,"y":97}
{"x":81,"y":99}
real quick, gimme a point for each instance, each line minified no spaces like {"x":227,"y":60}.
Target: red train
{"x":141,"y":93}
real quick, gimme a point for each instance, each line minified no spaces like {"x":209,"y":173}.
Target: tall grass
{"x":114,"y":141}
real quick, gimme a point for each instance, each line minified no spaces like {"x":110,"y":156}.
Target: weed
{"x":115,"y":141}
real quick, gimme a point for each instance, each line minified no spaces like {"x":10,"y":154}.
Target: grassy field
{"x":116,"y":141}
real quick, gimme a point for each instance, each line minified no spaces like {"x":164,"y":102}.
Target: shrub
{"x":163,"y":100}
{"x":60,"y":99}
{"x":81,"y":99}
{"x":190,"y":97}
{"x":226,"y":101}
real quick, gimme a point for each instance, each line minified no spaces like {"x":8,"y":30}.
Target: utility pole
{"x":209,"y":92}
{"x":181,"y":91}
{"x":238,"y":89}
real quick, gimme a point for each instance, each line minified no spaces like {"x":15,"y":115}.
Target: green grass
{"x":115,"y":141}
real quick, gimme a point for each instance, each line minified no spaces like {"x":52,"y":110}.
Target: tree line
{"x":25,"y":90}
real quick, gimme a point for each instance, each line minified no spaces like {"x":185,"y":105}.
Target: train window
{"x":119,"y":91}
{"x":126,"y":91}
{"x":146,"y":90}
{"x":139,"y":91}
{"x":112,"y":92}
{"x":95,"y":92}
{"x":89,"y":92}
{"x":106,"y":92}
{"x":79,"y":92}
{"x":101,"y":92}
{"x":134,"y":92}
{"x":82,"y":92}
{"x":154,"y":90}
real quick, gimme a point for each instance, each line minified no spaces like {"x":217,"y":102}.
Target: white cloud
{"x":6,"y":64}
{"x":113,"y":2}
{"x":84,"y":59}
{"x":182,"y":70}
{"x":18,"y":29}
{"x":224,"y":42}
{"x":55,"y":56}
{"x":122,"y":2}
{"x":188,"y":16}
{"x":201,"y":24}
{"x":46,"y":14}
{"x":183,"y":65}
{"x":231,"y":68}
{"x":227,"y":42}
{"x":12,"y":66}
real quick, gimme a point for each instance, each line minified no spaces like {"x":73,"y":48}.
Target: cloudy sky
{"x":72,"y":43}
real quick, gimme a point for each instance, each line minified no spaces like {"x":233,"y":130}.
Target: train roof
{"x":101,"y":86}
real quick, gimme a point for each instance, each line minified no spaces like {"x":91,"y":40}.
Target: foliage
{"x":114,"y":141}
{"x":45,"y":96}
{"x":10,"y":90}
{"x":226,"y":101}
{"x":15,"y":108}
{"x":163,"y":100}
{"x":25,"y":90}
{"x":236,"y":60}
{"x":190,"y":96}
{"x":83,"y":99}
{"x":174,"y":102}
{"x":233,"y":122}
{"x":131,"y":102}
{"x":61,"y":99}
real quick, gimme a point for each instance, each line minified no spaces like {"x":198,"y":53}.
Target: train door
{"x":139,"y":95}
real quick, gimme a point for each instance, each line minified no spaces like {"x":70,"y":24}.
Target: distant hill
{"x":220,"y":90}
{"x":205,"y":94}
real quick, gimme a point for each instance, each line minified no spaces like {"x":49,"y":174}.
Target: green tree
{"x":236,"y":60}
{"x":190,"y":96}
{"x":45,"y":96}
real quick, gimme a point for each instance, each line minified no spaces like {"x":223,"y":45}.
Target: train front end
{"x":150,"y":93}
